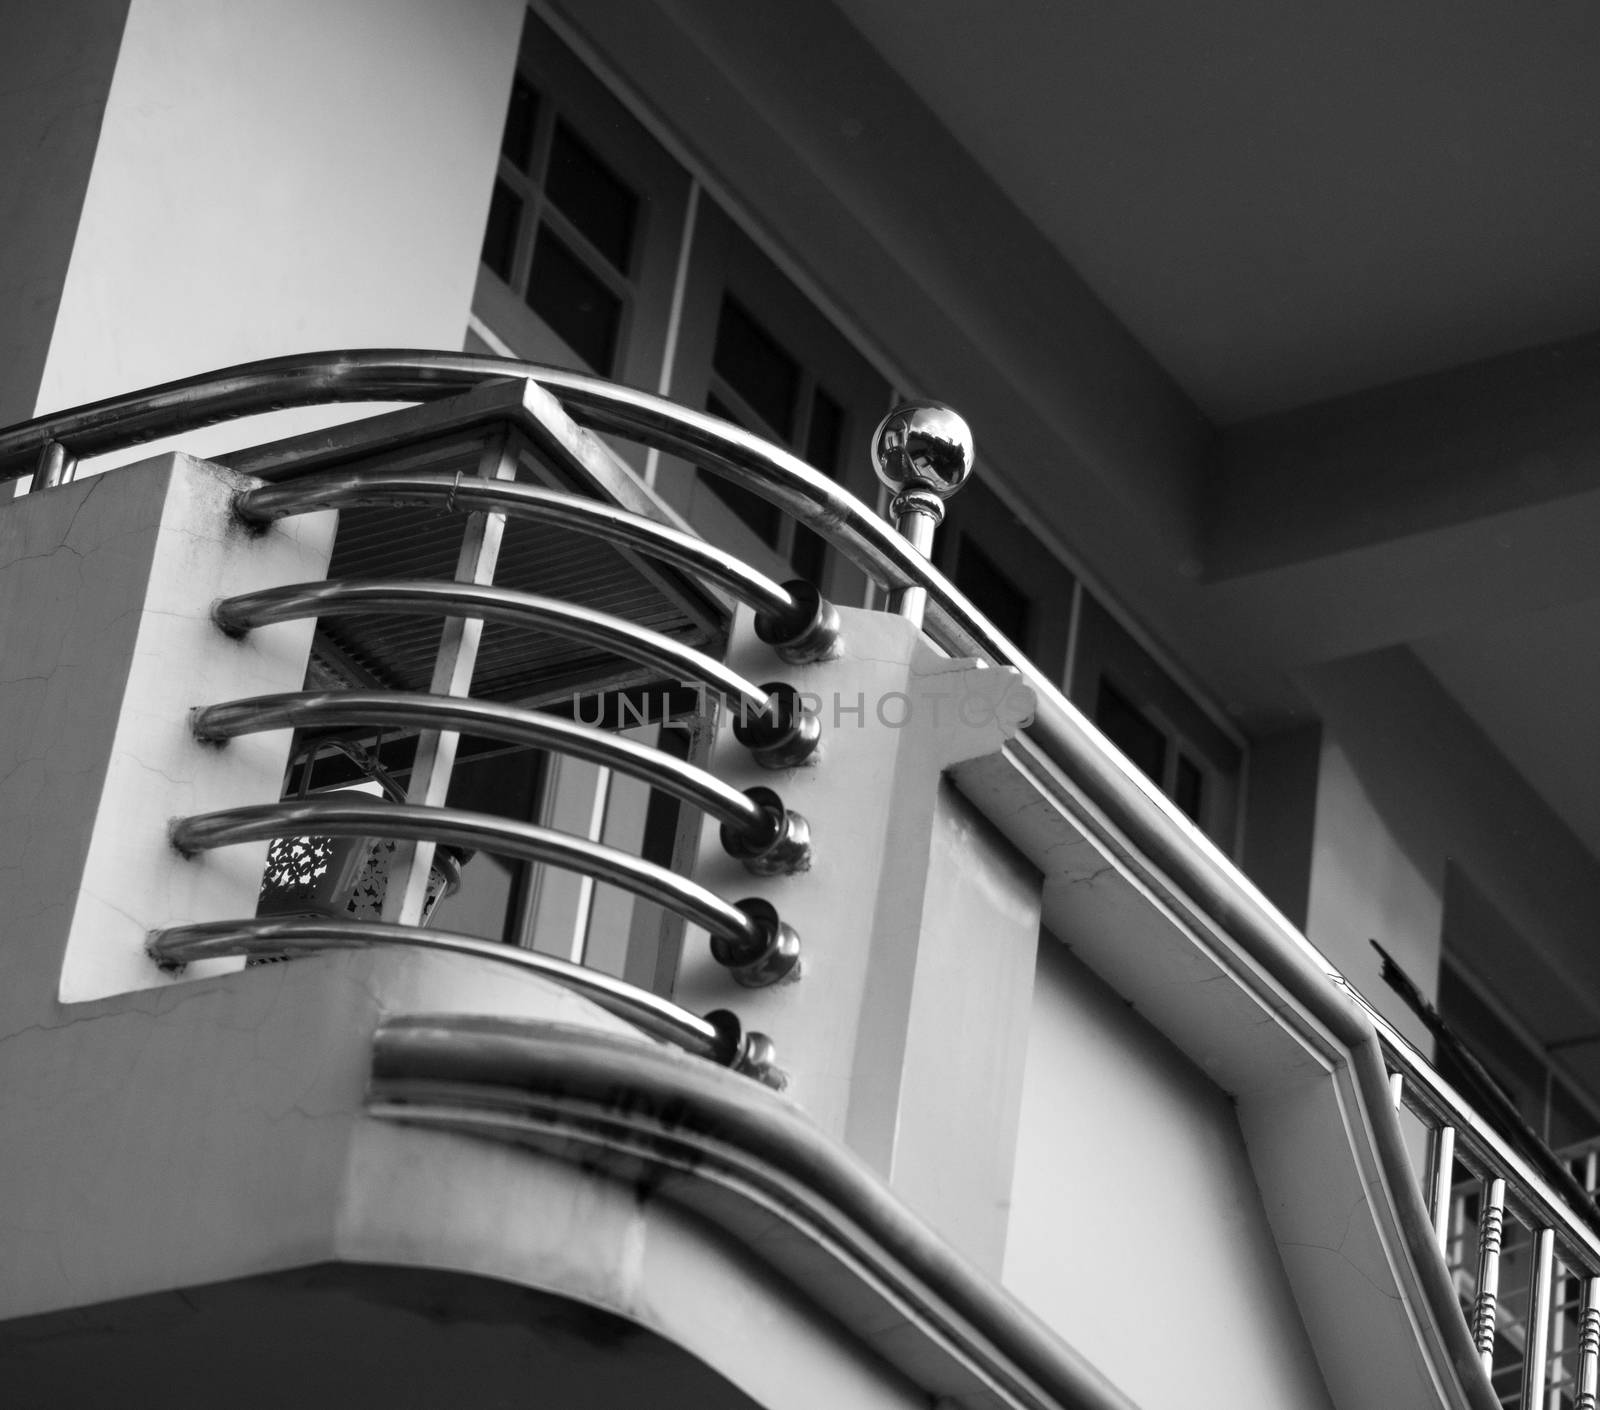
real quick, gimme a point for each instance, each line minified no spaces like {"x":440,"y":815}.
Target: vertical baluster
{"x":923,"y":452}
{"x":1491,"y":1229}
{"x":453,"y":664}
{"x":1564,"y":1287}
{"x":1397,"y":1089}
{"x":1589,"y":1346}
{"x":1536,"y":1349}
{"x":1444,"y":1165}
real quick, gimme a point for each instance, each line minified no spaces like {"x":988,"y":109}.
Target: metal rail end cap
{"x":782,"y":848}
{"x":810,"y":632}
{"x":770,"y":959}
{"x":752,"y":1054}
{"x":783,"y":733}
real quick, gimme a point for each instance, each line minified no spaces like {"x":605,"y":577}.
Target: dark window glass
{"x":992,"y":592}
{"x":563,"y":292}
{"x":757,"y":368}
{"x":822,"y":439}
{"x":1132,"y":733}
{"x":1523,"y":1074}
{"x":1188,"y":789}
{"x":589,"y":194}
{"x":822,"y":450}
{"x":500,"y":237}
{"x":516,"y":142}
{"x":761,"y":515}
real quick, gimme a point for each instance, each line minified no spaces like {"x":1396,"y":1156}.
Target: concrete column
{"x":905,"y":1034}
{"x":279,"y":177}
{"x":106,"y":643}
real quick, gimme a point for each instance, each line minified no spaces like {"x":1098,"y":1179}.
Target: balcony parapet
{"x":1149,"y":902}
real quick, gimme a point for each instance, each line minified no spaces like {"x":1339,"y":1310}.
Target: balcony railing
{"x":1552,"y":1333}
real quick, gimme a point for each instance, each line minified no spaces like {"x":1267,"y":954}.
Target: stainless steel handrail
{"x":1105,"y":794}
{"x":296,"y":936}
{"x":351,"y":489}
{"x":349,"y":709}
{"x":1510,"y":1185}
{"x":1478,"y":1145}
{"x":295,"y":601}
{"x":326,"y":817}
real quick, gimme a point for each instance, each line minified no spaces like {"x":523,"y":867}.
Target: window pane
{"x":993,"y":593}
{"x":757,"y":368}
{"x":1188,"y":790}
{"x":822,"y":438}
{"x":761,"y":515}
{"x":500,"y":238}
{"x":1131,"y":732}
{"x":587,"y":192}
{"x":516,"y":143}
{"x":563,"y":292}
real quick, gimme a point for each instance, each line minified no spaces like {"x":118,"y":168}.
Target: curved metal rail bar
{"x":294,"y":601}
{"x":417,"y":375}
{"x":349,"y":709}
{"x":1107,"y":796}
{"x":353,"y":489}
{"x":1530,"y":1194}
{"x":187,"y":944}
{"x":324,"y":817}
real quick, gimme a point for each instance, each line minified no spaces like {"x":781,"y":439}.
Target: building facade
{"x":1289,"y":545}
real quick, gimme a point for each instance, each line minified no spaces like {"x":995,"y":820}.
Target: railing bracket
{"x":781,"y":848}
{"x":783,"y":733}
{"x":773,"y":957}
{"x":809,"y":632}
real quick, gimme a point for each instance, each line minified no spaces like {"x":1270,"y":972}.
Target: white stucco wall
{"x":1136,"y":1227}
{"x":55,"y":70}
{"x":279,"y":177}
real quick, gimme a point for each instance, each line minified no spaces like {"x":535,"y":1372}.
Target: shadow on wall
{"x":1410,"y":788}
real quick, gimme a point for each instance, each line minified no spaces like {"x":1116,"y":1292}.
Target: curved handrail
{"x":512,"y":724}
{"x":1110,"y":798}
{"x":1531,"y":1194}
{"x":427,"y":598}
{"x":351,"y":489}
{"x":1112,"y":788}
{"x":325,"y":817}
{"x":716,"y":1036}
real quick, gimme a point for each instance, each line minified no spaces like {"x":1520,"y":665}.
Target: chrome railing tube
{"x":487,"y":719}
{"x":1486,"y":1300}
{"x":1536,"y":1346}
{"x":1439,"y":1186}
{"x":717,"y":1036}
{"x":328,"y":817}
{"x":782,"y":615}
{"x":295,"y":601}
{"x":1589,"y":1346}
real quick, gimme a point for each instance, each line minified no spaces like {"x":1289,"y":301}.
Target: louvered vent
{"x":526,"y":666}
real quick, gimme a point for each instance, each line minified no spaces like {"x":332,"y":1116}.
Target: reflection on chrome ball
{"x":921,"y":445}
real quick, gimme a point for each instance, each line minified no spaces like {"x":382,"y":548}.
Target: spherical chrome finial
{"x":922,"y":446}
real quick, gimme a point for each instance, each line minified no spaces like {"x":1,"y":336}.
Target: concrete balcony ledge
{"x":435,"y":1112}
{"x":707,"y":1208}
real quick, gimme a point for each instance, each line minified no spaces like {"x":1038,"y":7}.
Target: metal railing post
{"x":923,"y":452}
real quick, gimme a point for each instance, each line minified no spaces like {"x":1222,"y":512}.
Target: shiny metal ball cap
{"x":922,"y":445}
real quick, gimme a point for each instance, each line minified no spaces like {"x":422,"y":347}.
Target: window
{"x":1011,"y":577}
{"x":581,"y":242}
{"x":755,"y":350}
{"x":601,"y":253}
{"x":1153,"y":720}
